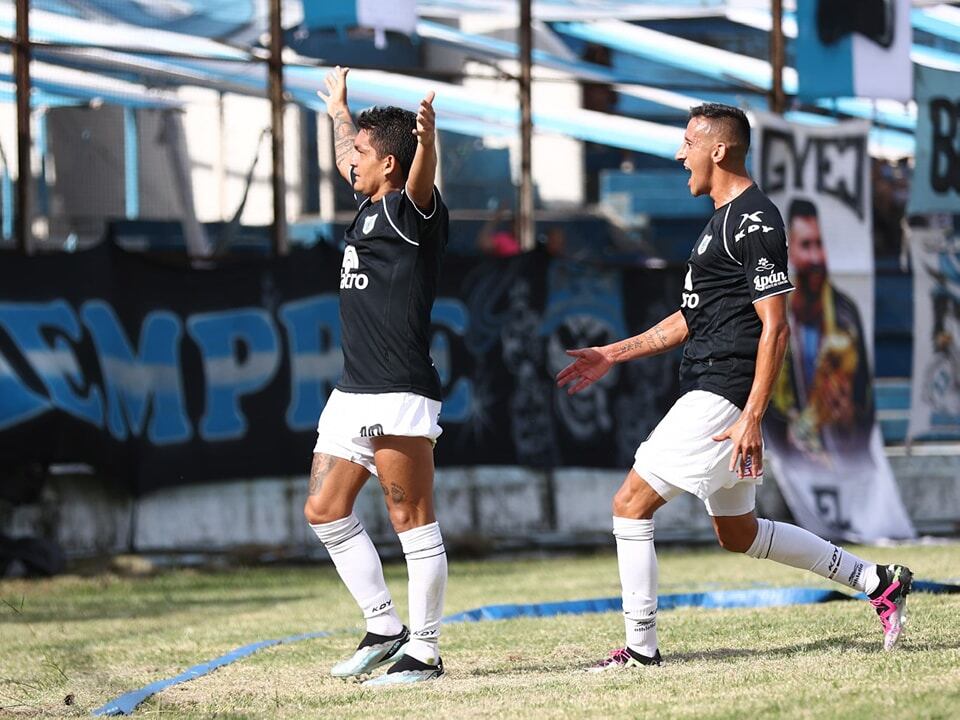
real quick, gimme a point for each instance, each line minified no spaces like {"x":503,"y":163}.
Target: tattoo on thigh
{"x":322,"y":464}
{"x":397,"y":493}
{"x":383,"y":486}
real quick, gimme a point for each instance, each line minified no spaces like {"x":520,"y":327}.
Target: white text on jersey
{"x":349,"y":277}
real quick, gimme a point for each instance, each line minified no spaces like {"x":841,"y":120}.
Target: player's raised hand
{"x":336,"y":97}
{"x":590,"y":365}
{"x":426,"y":121}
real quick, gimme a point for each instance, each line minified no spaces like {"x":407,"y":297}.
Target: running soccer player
{"x":732,"y":323}
{"x":382,"y":417}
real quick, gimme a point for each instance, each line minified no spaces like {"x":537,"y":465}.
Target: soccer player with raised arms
{"x":382,"y":418}
{"x":732,"y":323}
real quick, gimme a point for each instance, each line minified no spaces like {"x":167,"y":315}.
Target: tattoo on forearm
{"x":322,"y":465}
{"x":344,"y":134}
{"x":655,"y":338}
{"x":630,"y":345}
{"x":661,"y":337}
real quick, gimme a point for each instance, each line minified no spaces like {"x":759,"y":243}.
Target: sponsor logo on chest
{"x":350,"y":278}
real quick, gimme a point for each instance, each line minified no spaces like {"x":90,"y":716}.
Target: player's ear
{"x":719,"y":152}
{"x":389,"y":164}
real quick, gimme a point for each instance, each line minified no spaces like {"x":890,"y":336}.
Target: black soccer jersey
{"x":741,"y":257}
{"x":388,"y":282}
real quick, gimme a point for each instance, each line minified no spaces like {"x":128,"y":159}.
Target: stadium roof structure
{"x":572,"y":10}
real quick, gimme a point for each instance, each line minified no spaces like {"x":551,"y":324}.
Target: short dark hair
{"x":801,"y":207}
{"x":733,"y":119}
{"x":391,"y":133}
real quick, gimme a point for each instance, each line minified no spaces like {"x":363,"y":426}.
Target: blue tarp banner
{"x":320,"y":14}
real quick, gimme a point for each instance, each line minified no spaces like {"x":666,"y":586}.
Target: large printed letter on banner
{"x":854,"y":48}
{"x":936,"y":180}
{"x":820,"y":430}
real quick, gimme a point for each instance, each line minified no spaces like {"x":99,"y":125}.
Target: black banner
{"x":159,"y":374}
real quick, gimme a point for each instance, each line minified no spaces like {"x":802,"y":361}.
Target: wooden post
{"x":279,"y":228}
{"x":778,"y":101}
{"x":526,"y":224}
{"x":21,"y":73}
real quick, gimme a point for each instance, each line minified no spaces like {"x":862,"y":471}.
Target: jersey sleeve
{"x":422,"y":218}
{"x":763,"y":250}
{"x":411,"y":222}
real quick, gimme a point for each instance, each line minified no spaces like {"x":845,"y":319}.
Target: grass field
{"x":87,"y":640}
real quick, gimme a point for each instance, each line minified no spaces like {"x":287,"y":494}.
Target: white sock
{"x":358,"y":564}
{"x":427,"y":573}
{"x":799,"y":548}
{"x":637,"y":559}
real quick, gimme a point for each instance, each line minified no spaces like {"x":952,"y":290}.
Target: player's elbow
{"x":778,"y":329}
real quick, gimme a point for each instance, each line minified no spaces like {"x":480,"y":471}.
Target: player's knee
{"x":402,"y":517}
{"x":317,"y":512}
{"x":630,"y":504}
{"x":733,"y":541}
{"x":621,"y":502}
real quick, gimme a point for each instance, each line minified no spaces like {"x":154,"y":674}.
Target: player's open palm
{"x":336,"y":96}
{"x":589,"y":366}
{"x":426,"y":121}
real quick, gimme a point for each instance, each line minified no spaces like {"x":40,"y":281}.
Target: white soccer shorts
{"x":681,"y":456}
{"x":350,"y":420}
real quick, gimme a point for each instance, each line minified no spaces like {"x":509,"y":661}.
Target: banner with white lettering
{"x":936,"y":180}
{"x":854,"y":48}
{"x":935,"y":392}
{"x":161,"y":375}
{"x":820,"y":429}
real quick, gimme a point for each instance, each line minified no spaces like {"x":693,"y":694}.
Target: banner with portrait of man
{"x":821,"y":435}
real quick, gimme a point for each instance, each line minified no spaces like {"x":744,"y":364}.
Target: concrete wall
{"x":482,"y":508}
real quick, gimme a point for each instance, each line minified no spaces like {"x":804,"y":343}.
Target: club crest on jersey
{"x":349,"y":277}
{"x":703,"y":244}
{"x":369,"y":222}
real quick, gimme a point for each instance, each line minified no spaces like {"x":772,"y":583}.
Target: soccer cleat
{"x":408,"y":670}
{"x":890,"y":601}
{"x":623,"y":659}
{"x":374,"y":651}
